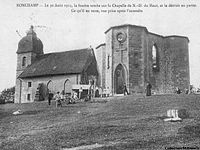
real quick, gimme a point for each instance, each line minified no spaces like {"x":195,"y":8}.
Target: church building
{"x":131,"y":56}
{"x":39,"y":73}
{"x":134,"y":56}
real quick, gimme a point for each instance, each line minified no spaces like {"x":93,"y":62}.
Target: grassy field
{"x":119,"y":123}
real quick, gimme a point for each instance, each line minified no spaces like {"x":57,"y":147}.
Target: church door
{"x":119,"y":79}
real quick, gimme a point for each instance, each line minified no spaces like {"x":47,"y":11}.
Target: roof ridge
{"x":68,"y":51}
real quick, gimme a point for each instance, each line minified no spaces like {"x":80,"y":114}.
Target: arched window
{"x":50,"y":86}
{"x":155,"y":58}
{"x":108,"y":62}
{"x":136,"y":59}
{"x":67,"y":86}
{"x":24,"y":61}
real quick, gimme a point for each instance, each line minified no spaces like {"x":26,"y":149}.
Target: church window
{"x":136,"y":59}
{"x":155,"y":60}
{"x":108,"y":62}
{"x":24,"y":61}
{"x":28,"y":97}
{"x":50,"y":86}
{"x":29,"y":84}
{"x":67,"y":86}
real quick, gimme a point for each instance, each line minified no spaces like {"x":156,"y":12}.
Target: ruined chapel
{"x":131,"y":55}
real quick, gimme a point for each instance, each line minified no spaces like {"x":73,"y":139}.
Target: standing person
{"x":50,"y":96}
{"x":74,"y":97}
{"x":58,"y":99}
{"x":178,"y":91}
{"x":90,"y":93}
{"x":62,"y":95}
{"x":148,"y":89}
{"x":186,"y":91}
{"x":125,"y":89}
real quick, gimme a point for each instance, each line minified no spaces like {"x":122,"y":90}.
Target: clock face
{"x":121,"y":37}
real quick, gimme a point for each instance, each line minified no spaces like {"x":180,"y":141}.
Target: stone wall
{"x":109,"y":64}
{"x":56,"y":83}
{"x":135,"y":54}
{"x":100,"y":54}
{"x":156,"y":77}
{"x":177,"y":48}
{"x":136,"y":59}
{"x":120,"y":54}
{"x":173,"y":63}
{"x":30,"y":57}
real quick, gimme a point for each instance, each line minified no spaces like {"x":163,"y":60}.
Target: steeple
{"x":30,"y":43}
{"x":31,"y":32}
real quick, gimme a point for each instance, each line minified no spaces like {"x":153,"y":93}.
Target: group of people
{"x":178,"y":91}
{"x":59,"y":97}
{"x":148,"y":89}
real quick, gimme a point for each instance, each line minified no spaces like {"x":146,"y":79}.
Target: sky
{"x":60,"y":29}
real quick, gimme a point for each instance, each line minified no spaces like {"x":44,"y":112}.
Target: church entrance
{"x":119,"y":79}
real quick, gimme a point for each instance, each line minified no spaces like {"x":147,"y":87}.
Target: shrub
{"x":7,"y":95}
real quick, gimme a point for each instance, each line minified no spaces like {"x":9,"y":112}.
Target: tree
{"x":7,"y":95}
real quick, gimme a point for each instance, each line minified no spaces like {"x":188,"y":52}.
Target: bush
{"x":2,"y":101}
{"x":7,"y":95}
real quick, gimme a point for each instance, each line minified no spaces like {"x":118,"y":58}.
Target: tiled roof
{"x":60,"y":63}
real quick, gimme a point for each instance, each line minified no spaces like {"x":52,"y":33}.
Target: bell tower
{"x":117,"y":59}
{"x":29,"y":47}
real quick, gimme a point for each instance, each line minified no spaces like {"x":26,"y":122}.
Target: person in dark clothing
{"x":50,"y":96}
{"x":148,"y":89}
{"x":178,"y":91}
{"x":125,"y":89}
{"x":97,"y":93}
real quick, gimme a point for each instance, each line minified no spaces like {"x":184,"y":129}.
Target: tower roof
{"x":30,"y":43}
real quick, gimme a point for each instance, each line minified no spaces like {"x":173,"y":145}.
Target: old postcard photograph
{"x":99,"y":74}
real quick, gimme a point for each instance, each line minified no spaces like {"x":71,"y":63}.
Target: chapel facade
{"x":133,"y":56}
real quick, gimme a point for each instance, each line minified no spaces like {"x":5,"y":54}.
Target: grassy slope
{"x":122,"y":123}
